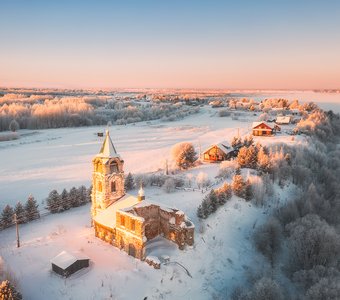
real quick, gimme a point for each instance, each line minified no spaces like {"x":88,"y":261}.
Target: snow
{"x":107,"y":217}
{"x":59,"y":158}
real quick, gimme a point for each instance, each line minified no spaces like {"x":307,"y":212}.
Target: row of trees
{"x":55,"y":203}
{"x":81,"y":111}
{"x":75,"y":197}
{"x":24,"y":213}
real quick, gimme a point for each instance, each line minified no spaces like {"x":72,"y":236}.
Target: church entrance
{"x":132,"y":250}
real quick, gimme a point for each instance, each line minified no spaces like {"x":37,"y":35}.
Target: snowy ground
{"x":48,"y":159}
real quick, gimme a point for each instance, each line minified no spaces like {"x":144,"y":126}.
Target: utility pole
{"x":166,"y":167}
{"x":17,"y":230}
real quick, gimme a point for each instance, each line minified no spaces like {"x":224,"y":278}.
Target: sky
{"x":245,"y":44}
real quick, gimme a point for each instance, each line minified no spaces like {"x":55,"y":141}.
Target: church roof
{"x":108,"y":150}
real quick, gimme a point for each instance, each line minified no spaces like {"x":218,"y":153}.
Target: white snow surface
{"x":59,"y":158}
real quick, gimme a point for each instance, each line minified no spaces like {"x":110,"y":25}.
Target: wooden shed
{"x":65,"y":263}
{"x":219,"y":152}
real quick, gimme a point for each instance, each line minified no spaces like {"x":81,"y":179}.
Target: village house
{"x":219,"y":152}
{"x":126,"y":221}
{"x":283,"y":120}
{"x":263,"y":129}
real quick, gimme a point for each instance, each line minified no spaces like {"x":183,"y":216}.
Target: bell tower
{"x":107,"y":177}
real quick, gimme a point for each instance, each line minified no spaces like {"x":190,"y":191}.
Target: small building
{"x":262,"y":129}
{"x":283,"y":120}
{"x":65,"y":263}
{"x":219,"y":152}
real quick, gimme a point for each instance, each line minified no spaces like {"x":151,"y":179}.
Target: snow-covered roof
{"x":107,"y":217}
{"x":283,"y":119}
{"x":223,"y":146}
{"x":255,"y":124}
{"x":65,"y":259}
{"x":107,"y":150}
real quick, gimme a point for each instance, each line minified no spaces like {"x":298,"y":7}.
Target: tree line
{"x":55,"y":203}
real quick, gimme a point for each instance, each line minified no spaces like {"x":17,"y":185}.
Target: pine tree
{"x":263,"y":162}
{"x":7,"y":217}
{"x":129,"y":182}
{"x":238,"y":185}
{"x":236,"y":142}
{"x":242,"y":157}
{"x":20,"y":212}
{"x":74,"y":198}
{"x":252,"y":157}
{"x":31,"y":209}
{"x":212,"y":202}
{"x":248,"y":191}
{"x":65,"y":202}
{"x":53,"y":201}
{"x":8,"y":292}
{"x":83,"y":195}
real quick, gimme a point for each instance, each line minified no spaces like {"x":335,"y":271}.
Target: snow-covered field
{"x":46,"y":159}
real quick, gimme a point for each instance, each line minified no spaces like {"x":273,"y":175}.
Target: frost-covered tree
{"x":202,"y":180}
{"x":54,"y":204}
{"x":31,"y":208}
{"x":74,"y":197}
{"x":238,"y":186}
{"x":326,"y":288}
{"x":248,"y":191}
{"x":14,"y":126}
{"x":213,"y":202}
{"x":268,"y":239}
{"x":312,"y":242}
{"x":236,"y":142}
{"x":20,"y":213}
{"x":129,"y":182}
{"x":8,"y":291}
{"x":169,"y":185}
{"x":7,"y":217}
{"x":263,"y":161}
{"x":83,"y":195}
{"x":266,"y":289}
{"x":65,"y":200}
{"x":184,"y":155}
{"x":224,"y":193}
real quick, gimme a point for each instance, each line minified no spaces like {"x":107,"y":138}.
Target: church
{"x":126,"y":221}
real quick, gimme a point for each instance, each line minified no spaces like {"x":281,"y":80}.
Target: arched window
{"x":113,"y":167}
{"x":113,"y":187}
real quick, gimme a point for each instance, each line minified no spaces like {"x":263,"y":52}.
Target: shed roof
{"x":65,"y":259}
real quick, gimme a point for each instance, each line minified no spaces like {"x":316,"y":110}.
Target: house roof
{"x":283,"y":119}
{"x":107,"y":150}
{"x":223,"y":146}
{"x":256,"y":124}
{"x":65,"y":259}
{"x":107,"y":217}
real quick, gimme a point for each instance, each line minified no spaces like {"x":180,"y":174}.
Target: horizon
{"x":193,"y":45}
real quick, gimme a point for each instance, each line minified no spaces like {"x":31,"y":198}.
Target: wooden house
{"x":219,"y":152}
{"x":263,"y":129}
{"x":65,"y":263}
